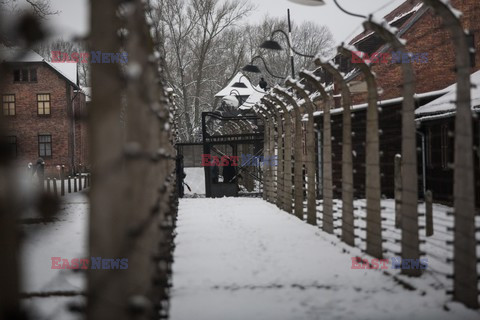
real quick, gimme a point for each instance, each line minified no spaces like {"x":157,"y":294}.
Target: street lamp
{"x":322,"y":2}
{"x":254,"y":69}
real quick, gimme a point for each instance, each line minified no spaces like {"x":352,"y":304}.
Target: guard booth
{"x":233,"y":138}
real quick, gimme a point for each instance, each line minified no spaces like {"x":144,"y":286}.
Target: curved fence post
{"x":298,"y":152}
{"x":465,"y":260}
{"x":327,"y":218}
{"x":270,"y":145}
{"x":311,"y":156}
{"x":287,"y":154}
{"x":372,"y":161}
{"x":409,"y":207}
{"x":280,"y":148}
{"x":266,"y":141}
{"x":348,"y":235}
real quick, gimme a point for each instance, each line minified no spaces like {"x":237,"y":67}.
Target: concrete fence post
{"x":69,"y":184}
{"x":80,"y":187}
{"x":298,"y":152}
{"x":62,"y":181}
{"x":428,"y":214}
{"x":55,"y":189}
{"x":465,"y":287}
{"x":409,"y":208}
{"x":280,"y":151}
{"x":75,"y":189}
{"x":311,"y":156}
{"x":348,"y":235}
{"x":287,"y":154}
{"x":398,"y":190}
{"x":48,"y":185}
{"x":327,"y":175}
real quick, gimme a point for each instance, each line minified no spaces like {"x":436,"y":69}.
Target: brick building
{"x":42,"y":108}
{"x":424,"y":33}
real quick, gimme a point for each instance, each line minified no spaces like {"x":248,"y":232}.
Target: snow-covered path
{"x":242,"y":258}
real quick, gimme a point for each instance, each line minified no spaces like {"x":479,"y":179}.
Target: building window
{"x":16,"y":75}
{"x":9,"y":145}
{"x":43,"y":103}
{"x":33,"y":75}
{"x":8,"y":104}
{"x":25,"y":75}
{"x":45,"y":145}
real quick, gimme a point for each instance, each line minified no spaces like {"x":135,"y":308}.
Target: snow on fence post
{"x":409,"y":208}
{"x":287,"y":154}
{"x":62,"y":182}
{"x":348,"y":235}
{"x":398,"y":190}
{"x":311,"y":156}
{"x":275,"y":142}
{"x":465,"y":287}
{"x":327,"y":219}
{"x":280,"y":149}
{"x":298,"y":151}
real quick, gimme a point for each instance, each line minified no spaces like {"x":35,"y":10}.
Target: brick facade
{"x":26,"y":125}
{"x":427,"y":35}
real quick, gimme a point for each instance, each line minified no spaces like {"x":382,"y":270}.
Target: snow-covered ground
{"x":66,"y":237}
{"x":437,"y":249}
{"x":243,"y":258}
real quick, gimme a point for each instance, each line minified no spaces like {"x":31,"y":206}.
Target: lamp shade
{"x":309,"y":2}
{"x":251,"y":68}
{"x":239,"y":85}
{"x":271,"y":45}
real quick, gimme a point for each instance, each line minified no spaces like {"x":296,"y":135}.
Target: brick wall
{"x":428,"y":35}
{"x":26,"y":124}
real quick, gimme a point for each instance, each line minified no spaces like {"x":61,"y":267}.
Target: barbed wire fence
{"x":133,"y":199}
{"x":385,"y":221}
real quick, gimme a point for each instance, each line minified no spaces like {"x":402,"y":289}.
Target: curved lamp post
{"x":322,"y":2}
{"x":254,"y":69}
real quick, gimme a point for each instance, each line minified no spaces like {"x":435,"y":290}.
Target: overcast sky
{"x":74,"y":16}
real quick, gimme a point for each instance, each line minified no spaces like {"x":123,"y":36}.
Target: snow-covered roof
{"x":67,"y":69}
{"x":239,"y":77}
{"x":253,"y":98}
{"x":15,"y":54}
{"x":446,"y":103}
